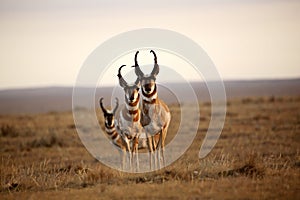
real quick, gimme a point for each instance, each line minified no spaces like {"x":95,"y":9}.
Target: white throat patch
{"x":149,"y":99}
{"x":136,"y":107}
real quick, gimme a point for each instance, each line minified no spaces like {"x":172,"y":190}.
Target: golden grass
{"x":256,"y":157}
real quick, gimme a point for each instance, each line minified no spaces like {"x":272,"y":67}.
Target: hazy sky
{"x":44,"y":43}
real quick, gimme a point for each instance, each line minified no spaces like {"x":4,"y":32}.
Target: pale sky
{"x":44,"y":43}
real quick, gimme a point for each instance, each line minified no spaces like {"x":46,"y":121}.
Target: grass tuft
{"x":250,"y":168}
{"x":48,"y":141}
{"x":7,"y":130}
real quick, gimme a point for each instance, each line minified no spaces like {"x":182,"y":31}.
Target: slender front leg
{"x":163,"y":138}
{"x":129,"y":155}
{"x":135,"y":152}
{"x":123,"y":158}
{"x":158,"y":150}
{"x":151,"y":155}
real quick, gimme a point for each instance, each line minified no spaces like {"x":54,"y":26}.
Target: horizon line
{"x":173,"y":82}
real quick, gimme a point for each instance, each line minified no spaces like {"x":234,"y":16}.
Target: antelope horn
{"x":137,"y":82}
{"x":122,"y":82}
{"x":137,"y":70}
{"x":101,"y":105}
{"x":117,"y":105}
{"x":155,"y":70}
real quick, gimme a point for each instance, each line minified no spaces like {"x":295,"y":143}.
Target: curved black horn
{"x":122,"y":82}
{"x":155,"y":58}
{"x":101,"y":105}
{"x":137,"y":70}
{"x":117,"y":105}
{"x":155,"y":70}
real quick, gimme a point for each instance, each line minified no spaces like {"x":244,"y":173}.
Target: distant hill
{"x":41,"y":100}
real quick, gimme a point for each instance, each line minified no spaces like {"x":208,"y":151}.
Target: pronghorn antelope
{"x":110,"y":129}
{"x":156,"y":116}
{"x":129,"y":125}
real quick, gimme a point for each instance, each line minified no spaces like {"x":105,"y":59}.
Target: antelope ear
{"x":116,"y":107}
{"x":137,"y":82}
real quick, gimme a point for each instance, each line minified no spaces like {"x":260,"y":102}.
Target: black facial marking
{"x":129,"y":137}
{"x":131,"y":90}
{"x":109,"y":119}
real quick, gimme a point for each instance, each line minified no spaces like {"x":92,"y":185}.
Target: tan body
{"x":156,"y":115}
{"x":129,"y":125}
{"x":110,"y":129}
{"x":156,"y":119}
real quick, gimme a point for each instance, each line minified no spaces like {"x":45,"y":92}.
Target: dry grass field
{"x":256,"y":157}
